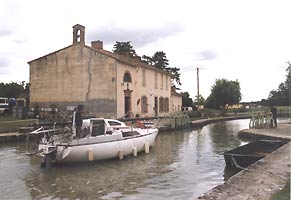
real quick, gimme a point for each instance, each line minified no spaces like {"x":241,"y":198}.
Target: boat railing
{"x":52,"y":135}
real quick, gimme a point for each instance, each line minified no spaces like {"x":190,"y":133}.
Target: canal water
{"x":181,"y":165}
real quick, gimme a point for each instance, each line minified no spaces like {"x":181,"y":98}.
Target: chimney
{"x":97,"y":44}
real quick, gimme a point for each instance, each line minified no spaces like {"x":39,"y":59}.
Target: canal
{"x":181,"y":165}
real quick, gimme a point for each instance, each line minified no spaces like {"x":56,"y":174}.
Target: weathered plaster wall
{"x":175,"y":103}
{"x":74,"y":75}
{"x":138,"y":90}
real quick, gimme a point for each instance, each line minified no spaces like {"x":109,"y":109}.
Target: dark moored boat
{"x":243,"y":156}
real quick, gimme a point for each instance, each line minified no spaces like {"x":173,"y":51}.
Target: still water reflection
{"x":182,"y":165}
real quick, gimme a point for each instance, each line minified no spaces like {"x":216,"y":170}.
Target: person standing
{"x":79,"y":121}
{"x":274,"y":116}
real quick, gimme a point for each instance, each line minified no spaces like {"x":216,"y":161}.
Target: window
{"x":78,"y":35}
{"x":144,"y":78}
{"x":144,"y":104}
{"x":156,"y":80}
{"x":114,"y":123}
{"x":167,"y":84}
{"x":161,"y":104}
{"x":166,"y":104}
{"x":127,"y":77}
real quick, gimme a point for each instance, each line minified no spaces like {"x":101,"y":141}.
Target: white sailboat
{"x":104,"y":139}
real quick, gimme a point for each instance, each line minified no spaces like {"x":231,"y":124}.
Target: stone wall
{"x":73,"y":75}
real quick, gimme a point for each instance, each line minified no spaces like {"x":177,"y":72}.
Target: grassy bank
{"x":11,"y":124}
{"x":283,"y":194}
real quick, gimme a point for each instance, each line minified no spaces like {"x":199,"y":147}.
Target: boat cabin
{"x":100,"y":126}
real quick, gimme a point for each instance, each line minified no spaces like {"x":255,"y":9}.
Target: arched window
{"x":78,"y":35}
{"x":127,"y":77}
{"x":144,"y":104}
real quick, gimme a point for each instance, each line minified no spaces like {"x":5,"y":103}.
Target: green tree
{"x":223,"y":94}
{"x":13,"y":90}
{"x":175,"y":75}
{"x":288,"y":83}
{"x":147,"y":60}
{"x":281,"y":96}
{"x":199,"y":100}
{"x":124,"y":48}
{"x":160,"y":60}
{"x":186,"y":100}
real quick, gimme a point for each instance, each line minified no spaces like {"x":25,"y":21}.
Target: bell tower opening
{"x":78,"y":34}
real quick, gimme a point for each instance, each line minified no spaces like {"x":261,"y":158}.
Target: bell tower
{"x":79,"y":34}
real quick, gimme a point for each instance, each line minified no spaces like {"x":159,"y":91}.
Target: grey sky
{"x":244,"y":39}
{"x":139,"y":36}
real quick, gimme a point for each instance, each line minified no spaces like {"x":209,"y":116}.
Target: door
{"x":127,"y":104}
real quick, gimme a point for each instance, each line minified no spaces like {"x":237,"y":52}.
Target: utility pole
{"x":197,"y":83}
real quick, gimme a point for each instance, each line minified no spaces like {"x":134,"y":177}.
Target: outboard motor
{"x":49,"y":157}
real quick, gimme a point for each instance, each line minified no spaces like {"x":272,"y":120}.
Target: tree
{"x":13,"y":90}
{"x":288,"y":83}
{"x":199,"y":100}
{"x":175,"y":75}
{"x":282,"y":96}
{"x":160,"y":60}
{"x":223,"y":94}
{"x":124,"y":48}
{"x":186,"y":100}
{"x":147,"y":60}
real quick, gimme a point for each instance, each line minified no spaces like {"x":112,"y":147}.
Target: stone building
{"x":108,"y":84}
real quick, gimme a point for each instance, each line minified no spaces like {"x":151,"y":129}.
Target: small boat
{"x":243,"y":156}
{"x":104,"y":139}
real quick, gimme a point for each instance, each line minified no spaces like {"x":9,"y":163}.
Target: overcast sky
{"x":247,"y":40}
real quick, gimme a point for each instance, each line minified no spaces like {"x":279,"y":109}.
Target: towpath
{"x":259,"y":181}
{"x":283,"y":131}
{"x":263,"y":178}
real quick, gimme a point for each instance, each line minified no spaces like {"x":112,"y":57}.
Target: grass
{"x":284,"y":193}
{"x":11,"y":124}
